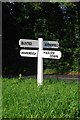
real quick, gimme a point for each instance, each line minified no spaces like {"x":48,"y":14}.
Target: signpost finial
{"x":41,"y":35}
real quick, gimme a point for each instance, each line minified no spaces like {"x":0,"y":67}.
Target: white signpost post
{"x":40,"y":53}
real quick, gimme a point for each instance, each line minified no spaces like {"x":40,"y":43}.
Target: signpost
{"x":40,"y":53}
{"x":35,"y":43}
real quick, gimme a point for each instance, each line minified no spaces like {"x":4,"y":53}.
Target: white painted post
{"x":40,"y":63}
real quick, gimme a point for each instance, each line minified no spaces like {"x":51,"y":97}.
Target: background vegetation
{"x":58,"y":21}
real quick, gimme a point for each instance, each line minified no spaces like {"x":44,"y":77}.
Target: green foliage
{"x":49,"y":71}
{"x":55,"y":99}
{"x":57,"y":20}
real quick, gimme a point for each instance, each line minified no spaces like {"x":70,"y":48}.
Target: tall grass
{"x":24,"y":99}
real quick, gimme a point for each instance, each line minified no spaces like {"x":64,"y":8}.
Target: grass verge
{"x":55,"y":99}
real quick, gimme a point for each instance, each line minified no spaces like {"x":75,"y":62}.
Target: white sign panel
{"x":28,"y":43}
{"x":51,"y":54}
{"x":50,"y":44}
{"x":28,"y":53}
{"x":35,"y":43}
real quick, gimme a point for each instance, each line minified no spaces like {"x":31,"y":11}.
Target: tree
{"x":58,"y":21}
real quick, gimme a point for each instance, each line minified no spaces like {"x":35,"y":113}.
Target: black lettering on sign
{"x":47,"y":52}
{"x":22,"y":52}
{"x":29,"y":53}
{"x":21,"y":43}
{"x":32,"y":53}
{"x":26,"y":43}
{"x":51,"y":45}
{"x":52,"y":52}
{"x":53,"y":56}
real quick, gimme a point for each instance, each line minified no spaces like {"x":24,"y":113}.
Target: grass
{"x":0,"y":98}
{"x":55,"y":99}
